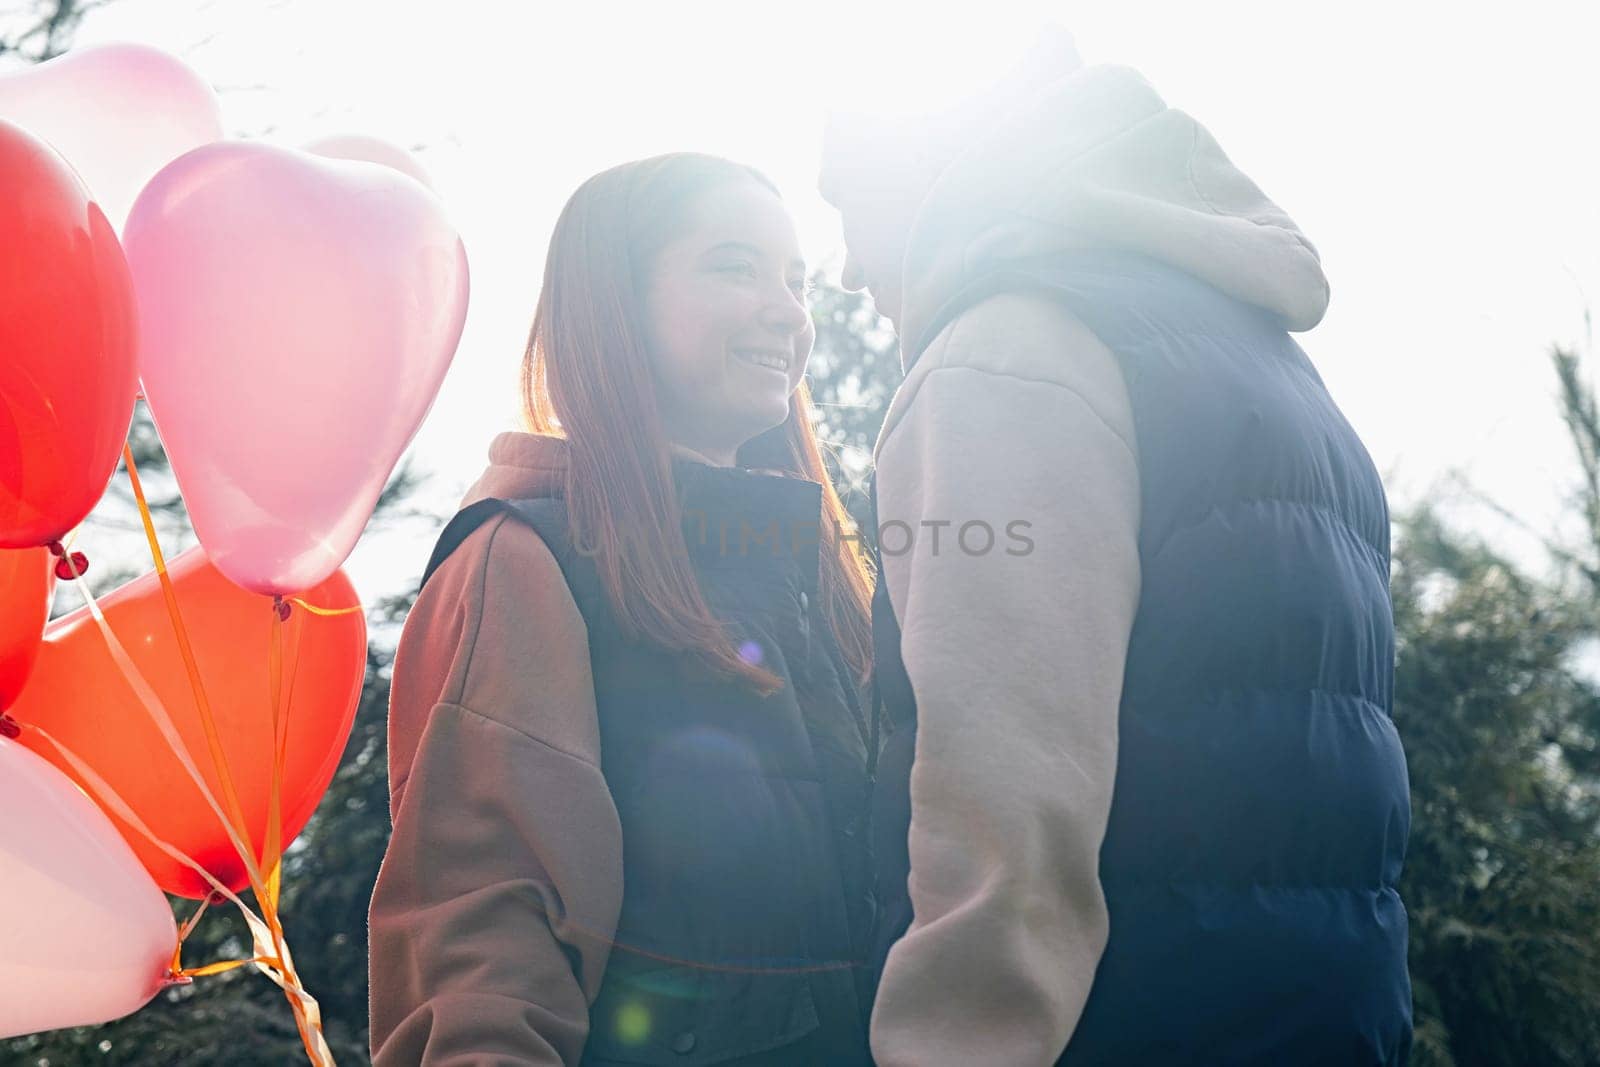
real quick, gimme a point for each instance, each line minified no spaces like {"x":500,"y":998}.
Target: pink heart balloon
{"x":117,"y":112}
{"x":361,"y":148}
{"x":297,"y":316}
{"x":85,"y":935}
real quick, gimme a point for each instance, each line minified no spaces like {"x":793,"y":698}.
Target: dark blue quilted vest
{"x":747,"y":909}
{"x":1262,"y":805}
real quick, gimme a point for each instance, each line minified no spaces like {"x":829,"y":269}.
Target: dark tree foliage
{"x":37,"y":30}
{"x":1502,"y":735}
{"x":853,"y":372}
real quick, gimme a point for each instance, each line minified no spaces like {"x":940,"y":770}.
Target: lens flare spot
{"x":751,"y":653}
{"x":633,"y":1023}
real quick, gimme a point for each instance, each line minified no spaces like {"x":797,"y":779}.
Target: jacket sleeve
{"x":491,"y":919}
{"x":1017,"y":417}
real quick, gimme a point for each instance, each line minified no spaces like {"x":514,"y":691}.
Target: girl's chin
{"x":755,"y":421}
{"x":766,"y":408}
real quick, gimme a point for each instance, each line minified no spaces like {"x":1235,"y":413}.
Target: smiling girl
{"x":629,"y":759}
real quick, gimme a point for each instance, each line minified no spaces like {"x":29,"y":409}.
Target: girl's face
{"x":726,"y":321}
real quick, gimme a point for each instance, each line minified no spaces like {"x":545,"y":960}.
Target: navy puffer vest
{"x":747,"y":909}
{"x":1262,"y":805}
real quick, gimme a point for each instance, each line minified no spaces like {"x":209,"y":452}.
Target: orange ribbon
{"x":272,"y":950}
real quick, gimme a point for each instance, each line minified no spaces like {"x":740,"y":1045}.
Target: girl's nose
{"x":788,"y":316}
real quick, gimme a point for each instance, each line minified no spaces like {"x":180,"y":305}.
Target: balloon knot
{"x":281,"y":606}
{"x":57,"y":549}
{"x":65,"y":566}
{"x":9,"y":727}
{"x":172,"y":978}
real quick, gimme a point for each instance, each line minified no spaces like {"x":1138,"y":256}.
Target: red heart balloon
{"x":78,"y":695}
{"x":26,"y":582}
{"x":67,"y":337}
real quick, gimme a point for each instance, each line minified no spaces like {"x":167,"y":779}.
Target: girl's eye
{"x":743,"y":266}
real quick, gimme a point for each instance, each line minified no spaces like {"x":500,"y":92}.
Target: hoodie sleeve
{"x":1016,"y":417}
{"x":491,"y":919}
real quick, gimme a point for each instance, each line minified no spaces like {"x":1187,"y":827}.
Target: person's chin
{"x":774,"y":417}
{"x":886,"y":304}
{"x":762,"y":416}
{"x":889,"y":308}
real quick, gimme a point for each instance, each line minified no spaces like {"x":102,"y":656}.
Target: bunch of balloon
{"x":289,"y":316}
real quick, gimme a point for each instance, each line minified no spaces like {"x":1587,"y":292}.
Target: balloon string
{"x":213,"y":738}
{"x":113,"y":802}
{"x":153,"y":707}
{"x":272,"y":854}
{"x":324,"y":611}
{"x":306,"y":1015}
{"x":176,"y":971}
{"x":194,"y":920}
{"x":282,"y":705}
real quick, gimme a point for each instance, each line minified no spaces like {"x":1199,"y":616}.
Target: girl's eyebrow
{"x":746,"y":246}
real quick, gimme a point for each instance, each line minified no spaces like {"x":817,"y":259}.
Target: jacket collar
{"x":729,"y":513}
{"x":734,"y":517}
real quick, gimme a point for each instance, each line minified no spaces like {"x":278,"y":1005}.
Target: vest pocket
{"x":677,"y":1014}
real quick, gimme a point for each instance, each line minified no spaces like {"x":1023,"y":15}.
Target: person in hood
{"x":1142,"y":800}
{"x":629,"y":758}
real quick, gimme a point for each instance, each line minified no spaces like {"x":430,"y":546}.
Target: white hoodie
{"x":1017,"y":412}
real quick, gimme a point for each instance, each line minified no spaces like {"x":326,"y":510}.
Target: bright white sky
{"x":1444,"y":164}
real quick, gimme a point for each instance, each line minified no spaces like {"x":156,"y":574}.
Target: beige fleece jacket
{"x":494,"y":907}
{"x":1017,"y":412}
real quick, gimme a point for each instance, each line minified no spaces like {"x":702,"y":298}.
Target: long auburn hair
{"x":586,"y":376}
